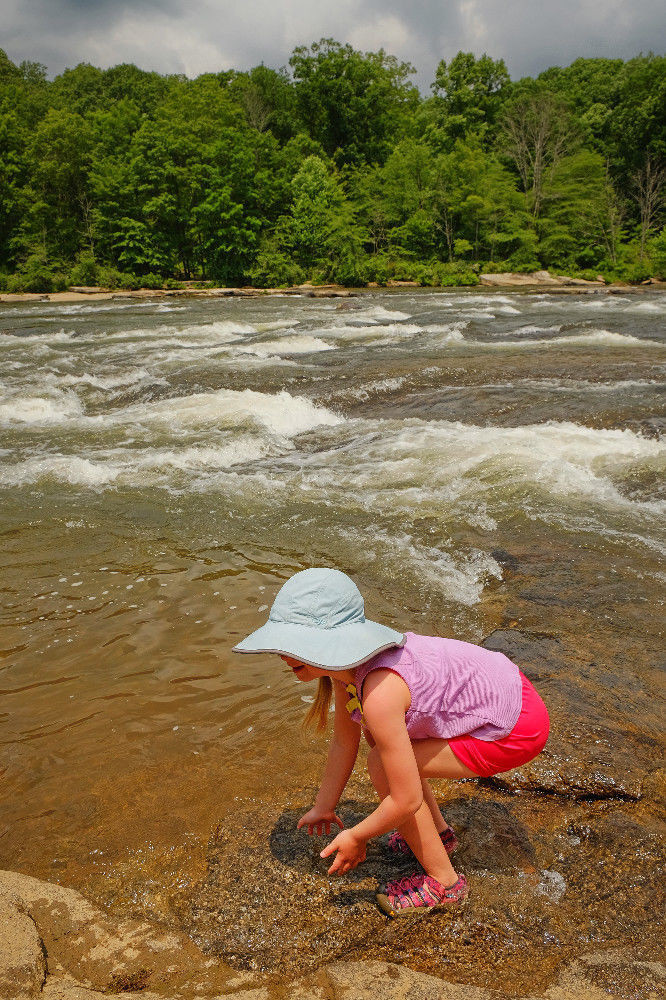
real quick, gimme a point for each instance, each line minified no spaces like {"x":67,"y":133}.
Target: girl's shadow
{"x":300,"y":852}
{"x":492,"y":839}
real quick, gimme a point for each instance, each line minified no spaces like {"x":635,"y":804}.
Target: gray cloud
{"x":206,"y":35}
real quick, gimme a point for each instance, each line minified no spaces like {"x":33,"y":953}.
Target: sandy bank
{"x":99,"y":294}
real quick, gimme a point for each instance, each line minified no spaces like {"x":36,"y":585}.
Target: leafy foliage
{"x":333,"y":169}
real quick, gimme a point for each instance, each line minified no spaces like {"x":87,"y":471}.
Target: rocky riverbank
{"x":56,"y":944}
{"x":537,"y":281}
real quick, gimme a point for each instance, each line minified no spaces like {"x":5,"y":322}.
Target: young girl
{"x":429,"y":708}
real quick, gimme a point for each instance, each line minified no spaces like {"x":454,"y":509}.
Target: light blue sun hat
{"x":318,"y":617}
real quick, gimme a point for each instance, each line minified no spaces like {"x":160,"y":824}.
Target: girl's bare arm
{"x":342,"y":753}
{"x":385,"y":701}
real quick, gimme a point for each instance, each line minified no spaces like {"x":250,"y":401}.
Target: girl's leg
{"x":419,"y":830}
{"x":436,"y":759}
{"x":429,"y":798}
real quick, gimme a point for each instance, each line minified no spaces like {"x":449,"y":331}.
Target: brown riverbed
{"x":487,"y":467}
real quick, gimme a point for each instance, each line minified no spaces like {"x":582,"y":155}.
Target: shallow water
{"x":480,"y":462}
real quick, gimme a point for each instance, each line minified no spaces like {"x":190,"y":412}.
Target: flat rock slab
{"x":22,"y":960}
{"x":44,"y":922}
{"x":383,"y":981}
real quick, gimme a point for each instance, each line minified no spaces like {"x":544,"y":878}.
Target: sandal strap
{"x":421,"y":890}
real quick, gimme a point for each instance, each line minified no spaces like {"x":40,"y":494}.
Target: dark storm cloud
{"x":203,"y":35}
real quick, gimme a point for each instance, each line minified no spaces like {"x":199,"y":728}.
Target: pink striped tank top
{"x":455,"y":687}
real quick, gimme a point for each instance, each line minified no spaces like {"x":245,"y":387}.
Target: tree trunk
{"x":648,"y":193}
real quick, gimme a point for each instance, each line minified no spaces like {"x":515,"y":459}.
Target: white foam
{"x":220,"y":330}
{"x":446,"y":332}
{"x":529,"y":331}
{"x":277,"y":324}
{"x":72,"y":308}
{"x":138,"y":467}
{"x":369,"y":389}
{"x":464,"y":299}
{"x":33,"y":340}
{"x":376,"y":334}
{"x":64,"y":468}
{"x":298,"y":344}
{"x":40,"y":410}
{"x":472,"y":472}
{"x":594,"y":338}
{"x":381,"y":313}
{"x":575,"y":385}
{"x":461,"y":578}
{"x":109,"y":382}
{"x":197,"y":459}
{"x":280,"y":413}
{"x":651,"y":307}
{"x":478,"y":313}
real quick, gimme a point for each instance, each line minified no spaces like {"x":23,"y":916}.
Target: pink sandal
{"x":414,"y":894}
{"x":398,"y":845}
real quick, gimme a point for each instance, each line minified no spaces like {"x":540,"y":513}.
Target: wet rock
{"x":653,"y":791}
{"x":587,"y":756}
{"x":605,"y":974}
{"x":538,"y":654}
{"x":22,"y":961}
{"x":508,"y":562}
{"x":492,"y":839}
{"x":348,"y":306}
{"x":293,"y":919}
{"x":505,"y":278}
{"x":564,"y":770}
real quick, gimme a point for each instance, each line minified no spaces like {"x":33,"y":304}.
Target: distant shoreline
{"x":489,"y":283}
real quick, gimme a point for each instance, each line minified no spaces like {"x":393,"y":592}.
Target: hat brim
{"x":337,"y":648}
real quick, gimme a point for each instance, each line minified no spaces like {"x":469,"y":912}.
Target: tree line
{"x":334,"y":169}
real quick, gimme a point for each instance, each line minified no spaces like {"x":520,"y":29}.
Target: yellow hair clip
{"x":354,"y":702}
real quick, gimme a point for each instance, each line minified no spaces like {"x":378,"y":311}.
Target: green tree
{"x":267,"y":99}
{"x":353,"y":103}
{"x":320,"y":233}
{"x":469,"y":93}
{"x":570,"y":226}
{"x":55,"y":198}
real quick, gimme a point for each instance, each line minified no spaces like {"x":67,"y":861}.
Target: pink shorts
{"x":525,"y":741}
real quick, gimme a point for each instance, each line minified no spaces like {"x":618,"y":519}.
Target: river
{"x":486,"y":465}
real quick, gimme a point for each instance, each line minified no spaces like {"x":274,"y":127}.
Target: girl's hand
{"x":351,"y":852}
{"x":319,"y":821}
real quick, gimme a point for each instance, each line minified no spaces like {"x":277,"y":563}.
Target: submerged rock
{"x":538,"y":895}
{"x":586,"y":756}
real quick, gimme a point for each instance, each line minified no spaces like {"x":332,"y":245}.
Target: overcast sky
{"x":197,"y":36}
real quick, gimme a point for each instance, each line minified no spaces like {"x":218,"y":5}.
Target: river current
{"x":476,"y":460}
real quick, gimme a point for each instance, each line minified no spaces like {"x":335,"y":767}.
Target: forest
{"x":335,"y":168}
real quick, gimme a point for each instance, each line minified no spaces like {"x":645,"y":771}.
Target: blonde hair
{"x":317,"y":717}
